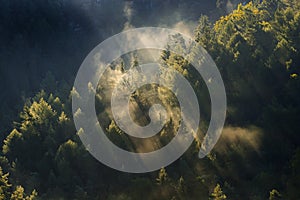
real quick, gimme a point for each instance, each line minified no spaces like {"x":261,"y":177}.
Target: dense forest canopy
{"x":256,"y":46}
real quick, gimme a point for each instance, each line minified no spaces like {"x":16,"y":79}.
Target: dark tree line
{"x":256,"y":48}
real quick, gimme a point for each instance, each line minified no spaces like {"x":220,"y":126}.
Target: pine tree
{"x":4,"y":185}
{"x":17,"y":194}
{"x":218,"y":193}
{"x":274,"y":195}
{"x":162,"y":176}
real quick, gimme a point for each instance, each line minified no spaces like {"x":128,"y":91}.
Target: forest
{"x":256,"y":46}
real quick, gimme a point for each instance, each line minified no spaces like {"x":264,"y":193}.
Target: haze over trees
{"x":256,"y":47}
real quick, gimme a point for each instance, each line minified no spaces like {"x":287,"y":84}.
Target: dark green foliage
{"x":257,"y":50}
{"x":8,"y":191}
